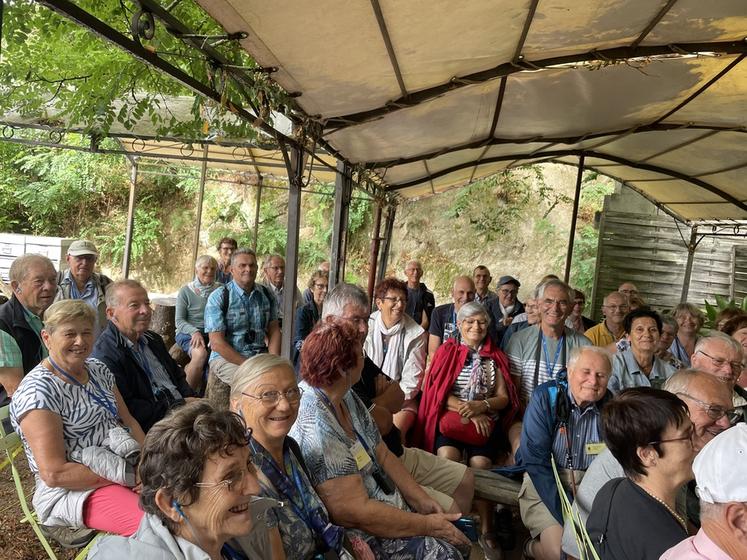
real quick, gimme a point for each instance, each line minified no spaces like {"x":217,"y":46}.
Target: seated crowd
{"x":384,"y":435}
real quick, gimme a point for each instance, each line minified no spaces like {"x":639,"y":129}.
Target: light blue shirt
{"x":627,"y":373}
{"x":246,"y":319}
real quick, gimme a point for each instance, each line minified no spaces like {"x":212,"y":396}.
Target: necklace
{"x":677,"y":516}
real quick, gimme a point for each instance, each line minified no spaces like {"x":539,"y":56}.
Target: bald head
{"x":615,"y":307}
{"x":708,"y":400}
{"x":628,"y":288}
{"x":462,"y":291}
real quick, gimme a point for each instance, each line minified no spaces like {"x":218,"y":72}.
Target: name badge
{"x":359,"y":454}
{"x":595,"y":448}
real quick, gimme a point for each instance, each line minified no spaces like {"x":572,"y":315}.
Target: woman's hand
{"x":197,"y":340}
{"x":470,"y":409}
{"x":483,"y":424}
{"x":440,"y":526}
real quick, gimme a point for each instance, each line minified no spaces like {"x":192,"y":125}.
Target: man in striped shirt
{"x":540,"y":352}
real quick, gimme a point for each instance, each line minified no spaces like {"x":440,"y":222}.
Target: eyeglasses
{"x":687,"y":437}
{"x":715,"y":412}
{"x":552,"y":302}
{"x":616,"y":307}
{"x":478,"y":322}
{"x":736,"y":367}
{"x":395,"y":300}
{"x":271,"y":398}
{"x":232,"y":483}
{"x":508,"y":292}
{"x":321,"y":286}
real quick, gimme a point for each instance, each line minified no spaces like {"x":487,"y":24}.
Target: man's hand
{"x":427,"y":505}
{"x":440,"y":526}
{"x":483,"y":424}
{"x":382,"y":382}
{"x":507,"y":321}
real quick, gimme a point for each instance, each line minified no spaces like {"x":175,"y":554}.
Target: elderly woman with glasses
{"x":650,"y":434}
{"x":397,"y":344}
{"x":190,"y":318}
{"x":363,"y":485}
{"x":469,"y":402}
{"x":309,"y":314}
{"x":199,"y":490}
{"x":264,"y":392}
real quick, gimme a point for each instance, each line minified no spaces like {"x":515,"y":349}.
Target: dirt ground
{"x":17,"y":540}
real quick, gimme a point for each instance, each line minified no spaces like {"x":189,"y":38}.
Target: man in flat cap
{"x":79,"y":281}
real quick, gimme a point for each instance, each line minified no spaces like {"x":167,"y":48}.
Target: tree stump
{"x":163,"y":321}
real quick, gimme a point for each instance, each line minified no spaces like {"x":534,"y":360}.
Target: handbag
{"x":450,"y":425}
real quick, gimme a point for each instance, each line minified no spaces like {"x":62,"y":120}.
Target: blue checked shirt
{"x":246,"y":319}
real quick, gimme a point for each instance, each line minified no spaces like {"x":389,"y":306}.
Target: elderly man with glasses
{"x":722,"y":356}
{"x":709,"y":403}
{"x":609,"y":331}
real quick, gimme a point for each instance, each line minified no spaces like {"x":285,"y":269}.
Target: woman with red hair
{"x":361,"y":483}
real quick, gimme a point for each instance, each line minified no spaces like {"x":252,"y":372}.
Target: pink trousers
{"x":113,"y":509}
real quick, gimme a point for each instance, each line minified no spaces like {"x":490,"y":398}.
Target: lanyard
{"x":329,"y":405}
{"x":230,"y":553}
{"x":561,"y":342}
{"x":294,"y":483}
{"x":100,"y":399}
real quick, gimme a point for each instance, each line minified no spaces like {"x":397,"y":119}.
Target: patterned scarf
{"x":202,"y":290}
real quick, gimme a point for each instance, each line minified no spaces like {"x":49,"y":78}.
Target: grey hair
{"x":113,"y":289}
{"x":268,"y":259}
{"x":203,"y":259}
{"x":254,"y":368}
{"x":578,"y":351}
{"x":671,"y":321}
{"x":556,"y":283}
{"x":681,"y":380}
{"x":715,"y":335}
{"x":615,"y":294}
{"x":19,"y":268}
{"x":242,"y":251}
{"x":470,"y":309}
{"x":342,"y":295}
{"x":711,"y":510}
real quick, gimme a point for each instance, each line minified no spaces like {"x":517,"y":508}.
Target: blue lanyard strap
{"x":100,"y":399}
{"x":329,"y":405}
{"x":551,"y":365}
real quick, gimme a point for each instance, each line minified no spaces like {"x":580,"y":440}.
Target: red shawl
{"x":445,"y":368}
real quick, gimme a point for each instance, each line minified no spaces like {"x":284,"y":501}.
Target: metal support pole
{"x":295,"y":181}
{"x":574,"y":218}
{"x":130,"y":220}
{"x":343,"y":193}
{"x":689,"y":266}
{"x":373,"y":259}
{"x":2,"y":5}
{"x":200,"y":199}
{"x":384,"y":255}
{"x":256,"y":211}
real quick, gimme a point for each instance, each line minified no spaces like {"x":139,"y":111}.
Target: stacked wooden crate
{"x":14,"y":245}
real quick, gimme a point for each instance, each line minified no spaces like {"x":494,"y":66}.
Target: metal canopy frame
{"x":518,"y":64}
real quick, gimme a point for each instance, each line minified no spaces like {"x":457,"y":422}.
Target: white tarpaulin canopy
{"x":431,"y":94}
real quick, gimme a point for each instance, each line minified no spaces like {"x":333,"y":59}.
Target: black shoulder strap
{"x":296,"y":450}
{"x":224,"y":303}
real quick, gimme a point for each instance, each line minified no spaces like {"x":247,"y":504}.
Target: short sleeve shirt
{"x":85,"y":421}
{"x":326,"y":447}
{"x":443,"y":323}
{"x":246,"y":319}
{"x":627,"y":373}
{"x":10,"y":354}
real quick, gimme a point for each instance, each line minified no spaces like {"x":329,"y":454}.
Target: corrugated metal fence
{"x":640,"y":244}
